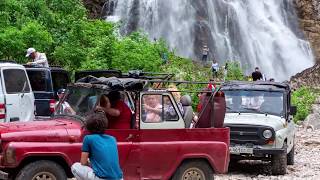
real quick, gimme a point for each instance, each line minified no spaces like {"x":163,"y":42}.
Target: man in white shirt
{"x":37,"y":57}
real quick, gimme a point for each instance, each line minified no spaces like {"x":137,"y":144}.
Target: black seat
{"x":187,"y":109}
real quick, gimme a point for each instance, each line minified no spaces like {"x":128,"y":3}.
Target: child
{"x":152,"y":108}
{"x":102,"y":151}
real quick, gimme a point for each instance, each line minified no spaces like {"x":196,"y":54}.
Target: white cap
{"x":30,"y":51}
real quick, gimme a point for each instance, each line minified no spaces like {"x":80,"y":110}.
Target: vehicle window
{"x":152,"y":111}
{"x":158,"y":108}
{"x":246,"y":101}
{"x":80,"y":100}
{"x":170,"y":113}
{"x":15,"y":81}
{"x":125,"y":98}
{"x":60,"y":80}
{"x":40,"y":80}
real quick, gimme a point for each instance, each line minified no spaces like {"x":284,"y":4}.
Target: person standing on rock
{"x":256,"y":75}
{"x":214,"y":69}
{"x":205,"y":53}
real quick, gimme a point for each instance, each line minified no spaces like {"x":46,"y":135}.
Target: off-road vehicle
{"x":260,"y":118}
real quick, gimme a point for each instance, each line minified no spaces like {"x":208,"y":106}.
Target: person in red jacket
{"x":117,"y":112}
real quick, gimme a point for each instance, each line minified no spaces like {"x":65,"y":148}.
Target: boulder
{"x":312,"y":122}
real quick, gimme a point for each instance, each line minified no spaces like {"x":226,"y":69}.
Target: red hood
{"x":52,"y":130}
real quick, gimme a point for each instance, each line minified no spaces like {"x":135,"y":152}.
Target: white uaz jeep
{"x":260,"y":118}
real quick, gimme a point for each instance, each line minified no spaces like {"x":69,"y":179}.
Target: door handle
{"x":130,"y":137}
{"x":14,"y":119}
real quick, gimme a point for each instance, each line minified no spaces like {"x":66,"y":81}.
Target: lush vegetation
{"x":303,"y":98}
{"x":60,"y":28}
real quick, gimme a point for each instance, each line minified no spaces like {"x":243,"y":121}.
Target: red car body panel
{"x":148,"y":154}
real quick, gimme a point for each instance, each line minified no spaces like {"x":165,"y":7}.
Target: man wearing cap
{"x":37,"y":57}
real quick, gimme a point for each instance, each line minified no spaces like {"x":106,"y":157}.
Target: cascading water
{"x":262,"y":33}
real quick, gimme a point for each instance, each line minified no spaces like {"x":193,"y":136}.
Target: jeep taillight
{"x":2,"y":111}
{"x":52,"y":104}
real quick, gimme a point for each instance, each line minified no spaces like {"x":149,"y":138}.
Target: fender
{"x":23,"y":150}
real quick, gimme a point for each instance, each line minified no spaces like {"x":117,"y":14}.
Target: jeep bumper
{"x":255,"y":150}
{"x":3,"y":175}
{"x":258,"y":151}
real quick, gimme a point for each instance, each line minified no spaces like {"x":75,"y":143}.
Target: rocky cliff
{"x":309,"y":14}
{"x":94,"y":7}
{"x":309,"y":17}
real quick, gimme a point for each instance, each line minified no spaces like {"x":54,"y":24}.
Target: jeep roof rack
{"x":136,"y":74}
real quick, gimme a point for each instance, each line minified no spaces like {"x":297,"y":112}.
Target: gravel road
{"x":307,"y":162}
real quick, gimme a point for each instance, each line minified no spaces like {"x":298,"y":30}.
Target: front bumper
{"x":3,"y":175}
{"x":254,"y":150}
{"x":258,"y":151}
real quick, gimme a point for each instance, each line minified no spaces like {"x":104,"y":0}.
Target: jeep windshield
{"x":78,"y":102}
{"x":250,"y":101}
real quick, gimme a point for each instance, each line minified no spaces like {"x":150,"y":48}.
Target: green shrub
{"x":303,"y":98}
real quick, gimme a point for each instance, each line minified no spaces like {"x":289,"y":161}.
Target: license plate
{"x":241,"y":150}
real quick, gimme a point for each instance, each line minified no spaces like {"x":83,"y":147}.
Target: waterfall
{"x":263,"y":33}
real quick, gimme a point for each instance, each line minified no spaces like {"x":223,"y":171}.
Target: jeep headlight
{"x":267,"y":134}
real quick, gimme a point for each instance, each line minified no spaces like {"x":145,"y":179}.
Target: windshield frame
{"x":258,"y":110}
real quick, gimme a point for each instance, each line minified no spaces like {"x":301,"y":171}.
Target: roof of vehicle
{"x":9,"y":64}
{"x":51,"y":68}
{"x":256,"y":85}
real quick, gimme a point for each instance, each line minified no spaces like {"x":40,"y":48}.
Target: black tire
{"x":194,"y":168}
{"x":279,"y":163}
{"x":42,"y":169}
{"x":290,"y":157}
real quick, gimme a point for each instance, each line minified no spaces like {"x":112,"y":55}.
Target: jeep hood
{"x":38,"y":131}
{"x":275,"y":122}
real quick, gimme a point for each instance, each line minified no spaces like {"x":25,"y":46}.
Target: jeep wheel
{"x":290,"y":157}
{"x":190,"y":170}
{"x":279,"y":163}
{"x":44,"y":170}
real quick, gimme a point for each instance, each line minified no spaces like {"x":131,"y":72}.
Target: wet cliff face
{"x":309,"y":16}
{"x":308,"y":13}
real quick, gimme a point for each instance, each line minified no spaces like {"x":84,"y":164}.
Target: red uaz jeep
{"x":165,"y":149}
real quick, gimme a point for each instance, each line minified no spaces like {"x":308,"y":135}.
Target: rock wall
{"x":309,"y":77}
{"x":309,"y":14}
{"x":94,"y":8}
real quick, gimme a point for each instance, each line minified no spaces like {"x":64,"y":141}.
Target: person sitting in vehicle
{"x":152,"y":108}
{"x":169,"y":109}
{"x":102,"y":151}
{"x":117,"y":112}
{"x":65,"y":107}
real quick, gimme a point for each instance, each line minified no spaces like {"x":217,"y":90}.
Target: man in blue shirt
{"x":102,"y":151}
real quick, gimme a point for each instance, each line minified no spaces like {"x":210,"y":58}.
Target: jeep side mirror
{"x":293,"y":110}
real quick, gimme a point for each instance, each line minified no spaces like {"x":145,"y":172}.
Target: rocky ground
{"x":307,"y":162}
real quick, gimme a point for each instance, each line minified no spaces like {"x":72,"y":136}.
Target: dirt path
{"x":307,"y":162}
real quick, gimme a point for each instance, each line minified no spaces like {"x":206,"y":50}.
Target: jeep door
{"x":129,"y":151}
{"x":158,"y":136}
{"x":18,"y":95}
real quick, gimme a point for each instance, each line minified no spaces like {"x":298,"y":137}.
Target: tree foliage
{"x":303,"y":98}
